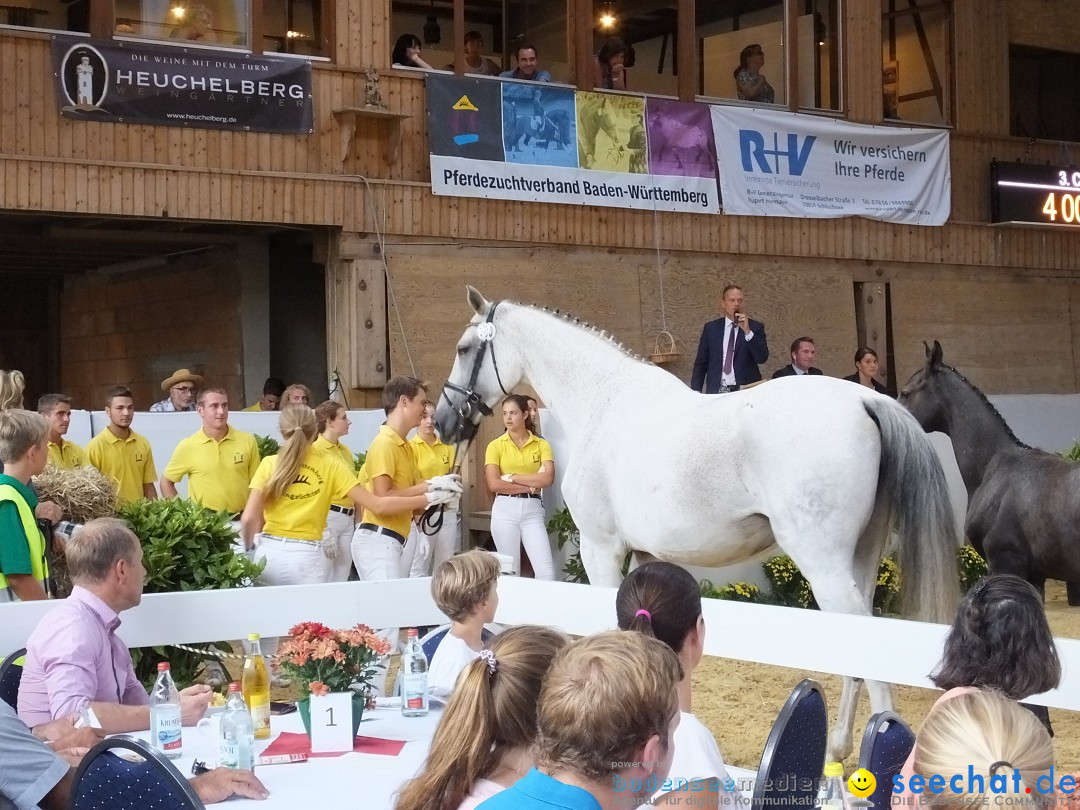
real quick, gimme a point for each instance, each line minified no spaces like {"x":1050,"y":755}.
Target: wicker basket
{"x":664,"y":349}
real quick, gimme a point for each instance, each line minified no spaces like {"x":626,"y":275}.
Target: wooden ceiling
{"x":41,"y":244}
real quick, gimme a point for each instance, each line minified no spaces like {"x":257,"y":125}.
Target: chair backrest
{"x":886,"y":745}
{"x":10,"y":678}
{"x":791,"y":764}
{"x":432,"y":639}
{"x":105,"y":779}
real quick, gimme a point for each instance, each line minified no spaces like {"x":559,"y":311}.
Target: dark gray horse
{"x":1023,"y":504}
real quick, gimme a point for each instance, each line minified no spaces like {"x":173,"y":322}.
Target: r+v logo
{"x":753,"y":148}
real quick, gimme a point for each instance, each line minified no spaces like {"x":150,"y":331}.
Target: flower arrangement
{"x":972,"y":567}
{"x":321,"y":660}
{"x":735,"y":592}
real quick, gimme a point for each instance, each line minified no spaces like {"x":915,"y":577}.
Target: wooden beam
{"x":791,"y":54}
{"x":102,"y":20}
{"x":459,"y":37}
{"x":582,"y":27}
{"x":686,"y":62}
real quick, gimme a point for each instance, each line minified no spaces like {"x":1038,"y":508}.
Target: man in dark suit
{"x":802,"y":356}
{"x":731,"y":348}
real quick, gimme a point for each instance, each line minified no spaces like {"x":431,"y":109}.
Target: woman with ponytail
{"x":663,"y":601}
{"x":484,"y":740}
{"x":290,"y":497}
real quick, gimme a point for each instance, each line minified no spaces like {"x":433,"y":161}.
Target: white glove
{"x":451,"y":482}
{"x":437,"y":496}
{"x":423,"y":547}
{"x":508,"y":478}
{"x":330,"y":549}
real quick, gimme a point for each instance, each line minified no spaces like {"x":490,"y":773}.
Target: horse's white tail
{"x":912,"y":478}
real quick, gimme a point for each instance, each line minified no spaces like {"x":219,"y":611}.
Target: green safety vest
{"x":40,"y":568}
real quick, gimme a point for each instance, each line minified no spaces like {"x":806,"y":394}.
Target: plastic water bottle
{"x":256,"y":688}
{"x":165,"y":729}
{"x":237,"y":733}
{"x":836,"y":797}
{"x":414,"y":666}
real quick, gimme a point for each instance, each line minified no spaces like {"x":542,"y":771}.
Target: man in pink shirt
{"x":75,"y":660}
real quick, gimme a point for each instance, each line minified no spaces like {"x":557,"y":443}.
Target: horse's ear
{"x":934,"y":355}
{"x":479,"y":304}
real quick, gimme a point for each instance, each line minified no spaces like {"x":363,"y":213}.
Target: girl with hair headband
{"x":663,"y":601}
{"x":483,"y":743}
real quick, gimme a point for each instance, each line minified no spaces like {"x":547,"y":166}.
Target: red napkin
{"x":288,"y":743}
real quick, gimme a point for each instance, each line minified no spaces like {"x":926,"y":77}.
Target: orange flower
{"x":319,"y":689}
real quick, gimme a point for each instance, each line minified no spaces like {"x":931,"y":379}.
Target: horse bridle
{"x":485,"y":331}
{"x":432,"y":519}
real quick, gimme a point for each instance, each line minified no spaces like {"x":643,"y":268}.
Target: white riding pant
{"x":289,"y":562}
{"x":377,"y":557}
{"x":337,"y":544}
{"x":517,"y":522}
{"x":443,"y":544}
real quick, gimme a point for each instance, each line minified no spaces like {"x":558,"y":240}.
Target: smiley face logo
{"x":861,"y":783}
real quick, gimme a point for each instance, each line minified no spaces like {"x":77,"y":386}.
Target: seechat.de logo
{"x":756,"y":154}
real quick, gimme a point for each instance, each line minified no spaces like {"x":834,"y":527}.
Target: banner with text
{"x":792,"y":165}
{"x":536,"y":142}
{"x":140,"y":83}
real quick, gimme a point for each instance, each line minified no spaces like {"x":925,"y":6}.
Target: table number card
{"x":331,"y":723}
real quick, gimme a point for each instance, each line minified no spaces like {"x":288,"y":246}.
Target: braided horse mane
{"x":588,"y":327}
{"x":989,"y":405}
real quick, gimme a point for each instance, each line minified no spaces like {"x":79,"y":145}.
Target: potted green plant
{"x":320,"y":661}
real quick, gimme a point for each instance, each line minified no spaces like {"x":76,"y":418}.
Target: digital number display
{"x":1023,"y":192}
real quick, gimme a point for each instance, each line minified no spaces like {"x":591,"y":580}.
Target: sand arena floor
{"x":738,"y":700}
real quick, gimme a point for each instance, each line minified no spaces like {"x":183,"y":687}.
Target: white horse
{"x":821,"y":467}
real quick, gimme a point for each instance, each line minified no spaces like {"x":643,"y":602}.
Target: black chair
{"x":886,"y":745}
{"x":105,"y":779}
{"x":10,"y":678}
{"x":791,"y":764}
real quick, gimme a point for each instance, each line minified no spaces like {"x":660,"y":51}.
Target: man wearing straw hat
{"x":181,"y":388}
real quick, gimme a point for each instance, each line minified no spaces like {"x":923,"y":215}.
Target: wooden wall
{"x":136,"y":331}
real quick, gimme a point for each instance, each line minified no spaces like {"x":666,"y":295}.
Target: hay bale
{"x":83,"y":493}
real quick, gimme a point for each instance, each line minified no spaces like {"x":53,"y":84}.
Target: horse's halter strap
{"x":432,"y":519}
{"x":485,"y":331}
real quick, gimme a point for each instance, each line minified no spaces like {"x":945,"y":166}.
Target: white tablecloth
{"x":349,"y":781}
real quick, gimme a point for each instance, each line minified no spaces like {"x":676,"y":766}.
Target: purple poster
{"x":680,"y":138}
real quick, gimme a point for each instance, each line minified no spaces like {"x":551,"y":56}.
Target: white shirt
{"x":729,"y":379}
{"x":451,"y":656}
{"x":483,"y":790}
{"x":698,"y":757}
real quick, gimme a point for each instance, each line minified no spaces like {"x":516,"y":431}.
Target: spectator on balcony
{"x":749,"y":83}
{"x":527,"y":69}
{"x":270,"y":400}
{"x":475,"y":62}
{"x":407,"y":53}
{"x":610,"y":65}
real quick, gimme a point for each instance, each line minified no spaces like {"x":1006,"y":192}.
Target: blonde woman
{"x":423,"y":554}
{"x":518,"y":465}
{"x":984,"y":734}
{"x":290,"y":497}
{"x":12,"y":386}
{"x":334,"y":423}
{"x":484,"y":740}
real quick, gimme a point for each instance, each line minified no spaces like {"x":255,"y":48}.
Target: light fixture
{"x":432,"y":32}
{"x":178,"y":12}
{"x":295,"y":35}
{"x":608,"y":20}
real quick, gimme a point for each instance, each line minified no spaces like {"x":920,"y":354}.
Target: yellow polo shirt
{"x":431,"y":459}
{"x":256,"y":408}
{"x":67,"y":455}
{"x":218,"y":472}
{"x":512,"y":460}
{"x":342,"y":453}
{"x":128,"y":462}
{"x":301,"y":512}
{"x":389,"y":454}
